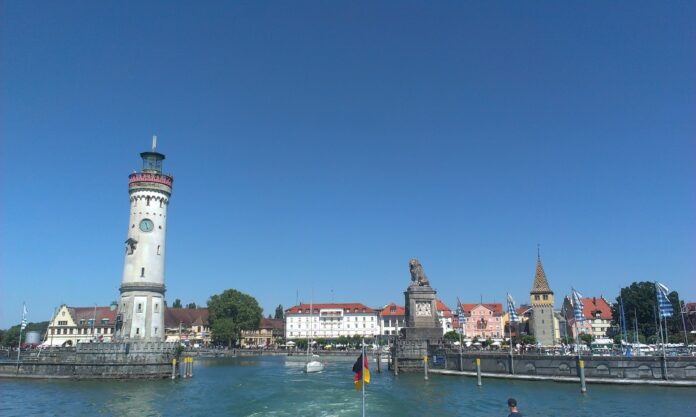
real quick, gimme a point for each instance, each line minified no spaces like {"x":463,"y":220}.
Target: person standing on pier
{"x":512,"y":405}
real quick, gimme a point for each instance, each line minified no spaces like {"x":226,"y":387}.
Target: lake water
{"x":274,"y":386}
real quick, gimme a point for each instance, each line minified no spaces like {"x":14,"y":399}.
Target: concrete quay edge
{"x":617,"y":381}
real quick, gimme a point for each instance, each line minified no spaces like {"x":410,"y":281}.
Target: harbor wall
{"x":642,"y":367}
{"x":135,"y":360}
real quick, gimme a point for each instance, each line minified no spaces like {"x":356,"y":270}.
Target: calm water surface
{"x":272,"y":386}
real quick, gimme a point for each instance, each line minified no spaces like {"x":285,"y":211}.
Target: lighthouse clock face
{"x":146,"y":225}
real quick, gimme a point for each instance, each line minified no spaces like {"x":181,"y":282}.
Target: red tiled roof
{"x":398,"y":310}
{"x":319,"y":306}
{"x":590,"y":305}
{"x":496,"y":308}
{"x":89,"y":313}
{"x":440,"y":306}
{"x":277,"y":324}
{"x":186,"y":316}
{"x":690,"y":307}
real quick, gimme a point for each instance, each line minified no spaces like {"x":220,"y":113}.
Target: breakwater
{"x":679,"y":368}
{"x":134,"y":360}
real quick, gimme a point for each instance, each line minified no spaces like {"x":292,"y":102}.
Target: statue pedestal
{"x":422,"y":330}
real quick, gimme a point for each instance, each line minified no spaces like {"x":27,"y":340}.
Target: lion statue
{"x":418,"y":277}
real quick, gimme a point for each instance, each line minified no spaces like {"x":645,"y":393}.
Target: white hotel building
{"x":330,"y":321}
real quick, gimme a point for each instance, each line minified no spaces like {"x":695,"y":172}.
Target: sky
{"x":317,"y":146}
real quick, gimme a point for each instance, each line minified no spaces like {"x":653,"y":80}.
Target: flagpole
{"x":21,"y":327}
{"x":362,"y":376}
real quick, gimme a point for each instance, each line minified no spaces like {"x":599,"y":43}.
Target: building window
{"x":137,"y":330}
{"x":140,"y":308}
{"x":62,"y":322}
{"x":155,"y":330}
{"x":148,"y":201}
{"x":156,"y":307}
{"x":536,"y":296}
{"x":142,"y":272}
{"x":158,"y":250}
{"x":546,"y":296}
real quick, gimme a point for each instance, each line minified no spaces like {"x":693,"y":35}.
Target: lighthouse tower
{"x":141,"y":306}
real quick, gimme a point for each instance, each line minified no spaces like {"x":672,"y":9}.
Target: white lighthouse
{"x":141,"y":307}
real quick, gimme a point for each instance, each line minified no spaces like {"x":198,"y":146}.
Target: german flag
{"x":362,"y":371}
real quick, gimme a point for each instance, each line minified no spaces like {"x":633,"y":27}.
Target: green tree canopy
{"x":176,"y":304}
{"x":10,"y":337}
{"x":279,"y":313}
{"x":451,"y":336}
{"x":231,"y":312}
{"x":639,"y":300}
{"x":191,"y":305}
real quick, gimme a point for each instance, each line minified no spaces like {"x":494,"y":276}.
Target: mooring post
{"x":581,"y":370}
{"x":379,"y":362}
{"x":478,"y":372}
{"x":396,"y":363}
{"x":173,"y":368}
{"x":425,"y":366}
{"x":191,"y":371}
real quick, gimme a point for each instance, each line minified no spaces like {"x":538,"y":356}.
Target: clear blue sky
{"x":320,"y":145}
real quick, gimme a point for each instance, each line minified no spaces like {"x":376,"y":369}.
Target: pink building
{"x":484,"y":321}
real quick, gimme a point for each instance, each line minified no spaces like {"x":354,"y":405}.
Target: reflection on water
{"x":272,"y":386}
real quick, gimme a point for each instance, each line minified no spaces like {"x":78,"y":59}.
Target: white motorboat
{"x":314,"y":366}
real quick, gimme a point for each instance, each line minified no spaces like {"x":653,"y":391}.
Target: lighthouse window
{"x":137,"y":330}
{"x":158,"y":249}
{"x":156,"y":307}
{"x":148,"y":201}
{"x":142,"y":272}
{"x":155,"y":330}
{"x":161,"y":203}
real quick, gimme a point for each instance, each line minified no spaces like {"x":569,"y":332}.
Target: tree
{"x":451,"y":336}
{"x":10,"y":337}
{"x":528,"y":339}
{"x":176,"y":304}
{"x":639,"y":301}
{"x":586,"y":339}
{"x":231,"y":312}
{"x":279,"y":313}
{"x":191,"y":305}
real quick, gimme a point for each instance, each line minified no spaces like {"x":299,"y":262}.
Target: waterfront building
{"x":265,"y":336}
{"x":187,"y":325}
{"x":597,"y":314}
{"x":690,"y":316}
{"x":521,"y":327}
{"x":391,"y":319}
{"x":331,"y":320}
{"x":444,"y":316}
{"x":483,"y":320}
{"x":72,"y":325}
{"x":141,"y":305}
{"x":541,"y":297}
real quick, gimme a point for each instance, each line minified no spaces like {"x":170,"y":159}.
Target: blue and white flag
{"x":577,"y":306}
{"x":460,"y":312}
{"x":24,"y":316}
{"x":663,"y":303}
{"x":511,"y":309}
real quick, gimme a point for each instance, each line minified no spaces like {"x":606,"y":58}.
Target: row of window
{"x":88,"y":330}
{"x":323,"y":319}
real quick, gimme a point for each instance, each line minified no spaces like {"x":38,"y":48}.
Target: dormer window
{"x":392,"y":309}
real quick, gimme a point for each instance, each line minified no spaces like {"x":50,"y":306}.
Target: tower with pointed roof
{"x":541,"y":297}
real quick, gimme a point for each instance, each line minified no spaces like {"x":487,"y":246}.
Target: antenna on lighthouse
{"x":154,"y":142}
